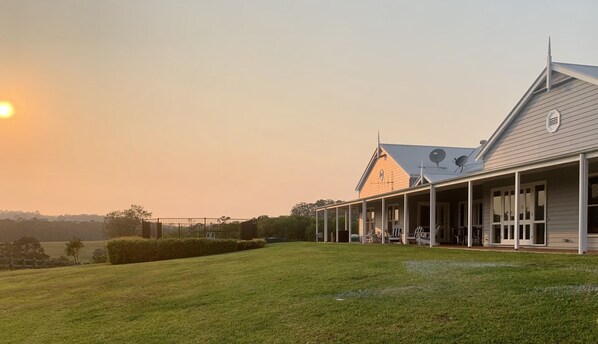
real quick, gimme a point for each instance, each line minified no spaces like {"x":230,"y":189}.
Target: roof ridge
{"x":425,"y":146}
{"x":575,"y":64}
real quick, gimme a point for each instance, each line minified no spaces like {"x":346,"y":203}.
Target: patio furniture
{"x":395,"y":235}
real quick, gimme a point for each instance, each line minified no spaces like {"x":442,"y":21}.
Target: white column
{"x":336,"y":218}
{"x":316,"y":225}
{"x":432,"y":215}
{"x":469,"y":213}
{"x":346,"y":220}
{"x":350,"y":223}
{"x":383,"y":219}
{"x":405,"y":219}
{"x":325,"y":225}
{"x":517,"y":187}
{"x":363,"y":221}
{"x":583,"y":204}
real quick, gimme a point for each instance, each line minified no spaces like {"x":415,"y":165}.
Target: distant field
{"x":55,"y":249}
{"x":310,"y":293}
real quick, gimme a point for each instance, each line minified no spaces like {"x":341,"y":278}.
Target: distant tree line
{"x":27,"y":215}
{"x":45,"y":230}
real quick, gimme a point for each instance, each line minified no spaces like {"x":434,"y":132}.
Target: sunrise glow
{"x":6,"y":110}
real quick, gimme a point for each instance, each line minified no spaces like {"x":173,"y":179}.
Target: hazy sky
{"x":243,"y":108}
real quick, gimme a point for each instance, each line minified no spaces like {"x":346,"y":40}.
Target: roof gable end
{"x":582,"y":72}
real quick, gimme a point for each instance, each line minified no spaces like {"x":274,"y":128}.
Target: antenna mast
{"x":378,"y":149}
{"x":548,"y":67}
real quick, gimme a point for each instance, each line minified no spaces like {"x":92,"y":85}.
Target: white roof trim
{"x":366,"y":172}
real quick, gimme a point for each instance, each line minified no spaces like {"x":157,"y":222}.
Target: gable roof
{"x":583,"y":72}
{"x":410,"y":158}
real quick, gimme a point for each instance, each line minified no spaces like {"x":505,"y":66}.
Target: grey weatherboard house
{"x":546,"y":148}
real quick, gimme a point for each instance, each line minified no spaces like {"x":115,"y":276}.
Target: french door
{"x":531,"y":212}
{"x":393,"y":216}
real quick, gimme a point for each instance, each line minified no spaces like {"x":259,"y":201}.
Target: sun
{"x":6,"y":109}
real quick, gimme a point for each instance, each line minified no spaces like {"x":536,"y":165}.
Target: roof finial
{"x":548,"y":67}
{"x":378,"y":149}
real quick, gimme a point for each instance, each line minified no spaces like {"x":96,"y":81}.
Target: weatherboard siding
{"x":395,"y":178}
{"x":526,"y":138}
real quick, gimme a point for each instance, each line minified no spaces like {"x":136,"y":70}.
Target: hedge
{"x":250,"y":244}
{"x":137,"y":250}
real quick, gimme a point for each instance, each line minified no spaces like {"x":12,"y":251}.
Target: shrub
{"x":250,"y":244}
{"x":99,"y":256}
{"x":136,"y":250}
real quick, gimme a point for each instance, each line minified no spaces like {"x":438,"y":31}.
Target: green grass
{"x":308,"y":292}
{"x":55,"y":249}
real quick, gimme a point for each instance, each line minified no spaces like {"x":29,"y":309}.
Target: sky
{"x":245,"y":108}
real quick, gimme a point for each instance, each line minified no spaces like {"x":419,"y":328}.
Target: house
{"x":546,"y":148}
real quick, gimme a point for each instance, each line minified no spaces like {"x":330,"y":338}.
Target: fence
{"x":31,"y":263}
{"x":193,"y":227}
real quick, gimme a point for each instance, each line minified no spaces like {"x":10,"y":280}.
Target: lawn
{"x":310,"y":293}
{"x":55,"y":249}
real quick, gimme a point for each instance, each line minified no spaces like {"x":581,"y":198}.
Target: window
{"x":593,"y":205}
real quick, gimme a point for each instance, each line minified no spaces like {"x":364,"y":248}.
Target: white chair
{"x":395,"y":235}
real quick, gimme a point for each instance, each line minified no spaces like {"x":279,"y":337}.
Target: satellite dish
{"x":437,"y":155}
{"x":483,"y":142}
{"x":461,"y":161}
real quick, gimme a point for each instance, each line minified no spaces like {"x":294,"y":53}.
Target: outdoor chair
{"x":395,"y":235}
{"x":423,"y":237}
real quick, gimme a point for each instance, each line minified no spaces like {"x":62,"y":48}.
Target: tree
{"x":73,"y":247}
{"x":27,"y":247}
{"x":309,"y":209}
{"x":126,"y":222}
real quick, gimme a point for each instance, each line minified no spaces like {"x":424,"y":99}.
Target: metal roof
{"x":411,"y":157}
{"x":583,"y":72}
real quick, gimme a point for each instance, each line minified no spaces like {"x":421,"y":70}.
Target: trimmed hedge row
{"x":137,"y":250}
{"x":250,"y":244}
